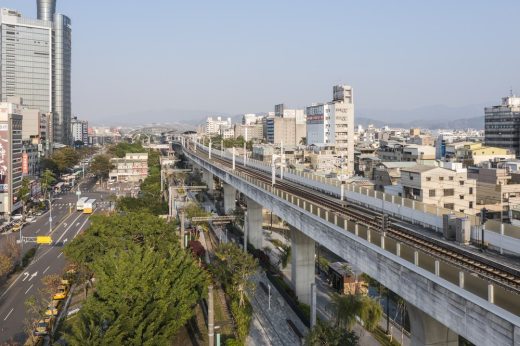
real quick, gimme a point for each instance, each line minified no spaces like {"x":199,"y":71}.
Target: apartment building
{"x":10,"y":158}
{"x":502,"y":124}
{"x":398,"y":151}
{"x":254,"y":131}
{"x":217,"y":126}
{"x":447,"y":187}
{"x":131,"y":168}
{"x":470,"y":153}
{"x":333,"y":123}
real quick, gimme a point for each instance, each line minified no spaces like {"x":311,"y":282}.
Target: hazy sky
{"x":245,"y":56}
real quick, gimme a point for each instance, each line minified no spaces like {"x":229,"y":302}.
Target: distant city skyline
{"x":234,"y":57}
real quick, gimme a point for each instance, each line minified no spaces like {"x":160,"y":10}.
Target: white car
{"x":30,"y":219}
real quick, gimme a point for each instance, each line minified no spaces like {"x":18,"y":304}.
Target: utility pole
{"x":182,"y":229}
{"x":211,"y":317}
{"x":233,"y":158}
{"x":245,"y":231}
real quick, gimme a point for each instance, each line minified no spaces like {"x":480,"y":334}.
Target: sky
{"x":246,"y":56}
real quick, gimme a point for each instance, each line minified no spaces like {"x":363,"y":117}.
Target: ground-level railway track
{"x":483,"y":267}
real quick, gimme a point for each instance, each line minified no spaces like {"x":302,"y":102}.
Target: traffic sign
{"x":44,"y":240}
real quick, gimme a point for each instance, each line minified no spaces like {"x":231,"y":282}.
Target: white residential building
{"x":79,"y":130}
{"x":217,"y":126}
{"x":333,"y":123}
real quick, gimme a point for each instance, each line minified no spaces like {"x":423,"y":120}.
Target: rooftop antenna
{"x":511,"y":91}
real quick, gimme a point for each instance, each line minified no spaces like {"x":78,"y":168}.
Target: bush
{"x":233,"y":342}
{"x":28,"y":256}
{"x":242,"y":318}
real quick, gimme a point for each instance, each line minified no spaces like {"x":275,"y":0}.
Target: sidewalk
{"x":269,"y":326}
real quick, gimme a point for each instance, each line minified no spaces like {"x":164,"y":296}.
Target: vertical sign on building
{"x":4,"y":158}
{"x":25,"y":164}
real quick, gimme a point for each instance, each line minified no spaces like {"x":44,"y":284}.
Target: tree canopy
{"x":142,"y":297}
{"x":65,"y":158}
{"x":101,"y":166}
{"x":146,"y":286}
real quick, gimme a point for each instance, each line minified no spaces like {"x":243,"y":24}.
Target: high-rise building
{"x":79,"y":130}
{"x":333,"y":123}
{"x":10,"y":157}
{"x":502,"y":124}
{"x":35,"y":63}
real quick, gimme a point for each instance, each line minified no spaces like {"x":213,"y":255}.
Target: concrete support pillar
{"x":313,"y":305}
{"x":207,"y":177}
{"x":427,"y":331}
{"x":437,"y":268}
{"x":230,"y":194}
{"x":254,"y":224}
{"x":302,"y":264}
{"x":398,"y":249}
{"x":461,"y":279}
{"x":416,"y":258}
{"x":491,"y":293}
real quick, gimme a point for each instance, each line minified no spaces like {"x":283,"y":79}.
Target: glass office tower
{"x":36,"y":63}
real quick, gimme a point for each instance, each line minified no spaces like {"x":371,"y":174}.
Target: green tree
{"x":324,"y":334}
{"x":65,"y":158}
{"x":303,"y":141}
{"x":156,"y":299}
{"x":49,"y":164}
{"x":101,"y":166}
{"x":47,"y":179}
{"x":234,"y":268}
{"x":345,"y":308}
{"x":120,"y":231}
{"x":371,"y":313}
{"x":24,"y":193}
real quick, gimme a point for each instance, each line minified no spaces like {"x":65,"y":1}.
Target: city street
{"x":49,"y":259}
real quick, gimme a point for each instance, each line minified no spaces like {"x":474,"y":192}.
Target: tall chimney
{"x":46,"y":9}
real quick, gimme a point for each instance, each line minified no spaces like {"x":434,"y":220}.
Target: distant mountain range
{"x":431,"y":117}
{"x":434,"y":124}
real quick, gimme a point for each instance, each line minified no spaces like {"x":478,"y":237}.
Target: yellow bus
{"x":89,"y":206}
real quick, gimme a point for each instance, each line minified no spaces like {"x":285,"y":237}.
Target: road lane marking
{"x":46,"y":269}
{"x":61,"y":253}
{"x":37,"y":259}
{"x":6,"y":317}
{"x":38,"y":231}
{"x":32,"y":276}
{"x":29,"y":288}
{"x":77,"y":224}
{"x":26,"y":276}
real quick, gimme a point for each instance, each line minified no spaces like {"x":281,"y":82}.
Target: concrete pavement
{"x":48,"y":260}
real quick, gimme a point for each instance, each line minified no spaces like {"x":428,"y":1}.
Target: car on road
{"x":17,"y":217}
{"x":39,"y":213}
{"x":43,"y":327}
{"x":53,"y":308}
{"x":63,"y":290}
{"x":16,"y":227}
{"x":30,"y":219}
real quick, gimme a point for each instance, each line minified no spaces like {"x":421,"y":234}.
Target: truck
{"x":89,"y":206}
{"x":80,"y":204}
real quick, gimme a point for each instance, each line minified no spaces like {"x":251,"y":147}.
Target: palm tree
{"x":371,"y":313}
{"x":46,"y":180}
{"x":24,"y":193}
{"x":345,"y":308}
